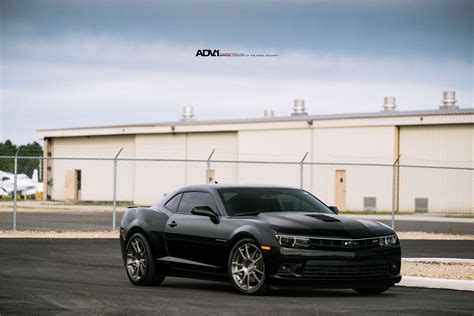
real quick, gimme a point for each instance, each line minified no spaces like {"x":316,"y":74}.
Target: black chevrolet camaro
{"x":256,"y":236}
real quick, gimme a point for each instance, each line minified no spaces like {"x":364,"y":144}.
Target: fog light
{"x":289,"y":268}
{"x":285,"y":268}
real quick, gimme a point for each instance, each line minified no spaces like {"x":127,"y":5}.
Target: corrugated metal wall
{"x":96,"y":176}
{"x":437,"y":145}
{"x":147,"y":182}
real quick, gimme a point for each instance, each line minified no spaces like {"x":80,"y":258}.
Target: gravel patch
{"x":432,"y":236}
{"x":439,"y":270}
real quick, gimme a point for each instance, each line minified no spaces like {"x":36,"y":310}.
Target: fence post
{"x":301,"y":170}
{"x":394,"y":190}
{"x":208,"y":170}
{"x":40,"y":170}
{"x":15,"y":187}
{"x":114,"y":201}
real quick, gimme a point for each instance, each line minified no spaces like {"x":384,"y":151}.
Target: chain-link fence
{"x":92,"y":194}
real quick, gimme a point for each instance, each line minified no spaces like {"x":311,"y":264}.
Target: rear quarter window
{"x":173,"y":204}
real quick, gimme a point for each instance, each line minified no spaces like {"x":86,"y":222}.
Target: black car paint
{"x":194,"y":246}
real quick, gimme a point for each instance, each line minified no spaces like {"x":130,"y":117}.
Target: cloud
{"x":82,"y":80}
{"x":115,"y":54}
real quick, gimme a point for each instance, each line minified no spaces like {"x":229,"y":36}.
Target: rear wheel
{"x":371,"y":291}
{"x":139,"y":263}
{"x":247,"y":267}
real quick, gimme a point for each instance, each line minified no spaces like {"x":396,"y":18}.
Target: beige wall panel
{"x":323,"y":184}
{"x":368,"y":145}
{"x":95,"y":146}
{"x":200,"y":146}
{"x":354,"y":144}
{"x":170,"y":146}
{"x":277,"y":145}
{"x":154,"y":179}
{"x":360,"y":182}
{"x":446,"y":190}
{"x":97,"y":176}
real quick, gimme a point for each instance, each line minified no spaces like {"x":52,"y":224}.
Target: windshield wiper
{"x":248,"y":213}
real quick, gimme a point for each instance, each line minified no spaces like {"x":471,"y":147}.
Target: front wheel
{"x":371,"y":291}
{"x":139,"y":262}
{"x":247,"y":267}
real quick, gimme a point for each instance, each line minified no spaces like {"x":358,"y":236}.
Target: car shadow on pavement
{"x":224,"y":287}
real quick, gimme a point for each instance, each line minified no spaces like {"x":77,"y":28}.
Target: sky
{"x":91,"y":63}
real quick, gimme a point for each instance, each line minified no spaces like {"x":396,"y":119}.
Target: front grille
{"x":338,"y":269}
{"x":344,"y":243}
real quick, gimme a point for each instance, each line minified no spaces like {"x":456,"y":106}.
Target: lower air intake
{"x":337,"y":269}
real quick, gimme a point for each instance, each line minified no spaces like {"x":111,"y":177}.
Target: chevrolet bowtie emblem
{"x":350,"y":243}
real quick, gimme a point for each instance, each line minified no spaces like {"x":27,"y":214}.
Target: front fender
{"x":264,"y":236}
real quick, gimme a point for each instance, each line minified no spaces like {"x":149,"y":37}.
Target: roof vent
{"x":299,"y":108}
{"x":267,"y":113}
{"x":389,"y":104}
{"x":449,"y":101}
{"x":187,"y":113}
{"x":323,"y":217}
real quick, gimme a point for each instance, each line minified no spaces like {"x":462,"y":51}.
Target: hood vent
{"x":323,"y":217}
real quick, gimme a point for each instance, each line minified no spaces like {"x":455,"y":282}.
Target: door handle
{"x":172,"y":224}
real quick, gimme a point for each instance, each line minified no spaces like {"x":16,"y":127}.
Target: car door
{"x":191,"y":240}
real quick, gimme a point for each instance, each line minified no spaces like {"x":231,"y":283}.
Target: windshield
{"x":264,"y":200}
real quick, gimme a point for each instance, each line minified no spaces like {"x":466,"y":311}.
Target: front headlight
{"x":388,"y":241}
{"x":293,"y":241}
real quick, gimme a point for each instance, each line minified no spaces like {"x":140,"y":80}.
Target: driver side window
{"x":192,"y":199}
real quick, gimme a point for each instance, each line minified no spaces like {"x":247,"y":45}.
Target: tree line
{"x":25,"y":166}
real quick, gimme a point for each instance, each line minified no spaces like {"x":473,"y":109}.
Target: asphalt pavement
{"x":86,"y":276}
{"x":413,"y":248}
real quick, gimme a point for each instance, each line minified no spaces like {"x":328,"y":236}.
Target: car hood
{"x":323,"y":225}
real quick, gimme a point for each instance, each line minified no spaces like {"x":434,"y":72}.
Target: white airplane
{"x":24,"y":185}
{"x":3,"y":193}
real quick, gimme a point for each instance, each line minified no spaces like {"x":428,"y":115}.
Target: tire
{"x":371,"y":291}
{"x":139,"y":262}
{"x":246,"y":267}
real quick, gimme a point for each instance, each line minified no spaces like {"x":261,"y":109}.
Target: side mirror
{"x":334,"y":209}
{"x":206,"y":211}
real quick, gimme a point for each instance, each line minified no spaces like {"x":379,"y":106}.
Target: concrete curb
{"x":430,"y":283}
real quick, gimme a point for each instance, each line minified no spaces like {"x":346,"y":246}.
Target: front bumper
{"x":335,"y":284}
{"x":361,"y":268}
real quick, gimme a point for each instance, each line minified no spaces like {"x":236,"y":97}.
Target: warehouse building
{"x":348,"y":158}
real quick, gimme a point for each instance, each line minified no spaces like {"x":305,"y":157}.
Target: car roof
{"x":212,"y":187}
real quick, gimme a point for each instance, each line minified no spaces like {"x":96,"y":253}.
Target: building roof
{"x":171,"y":126}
